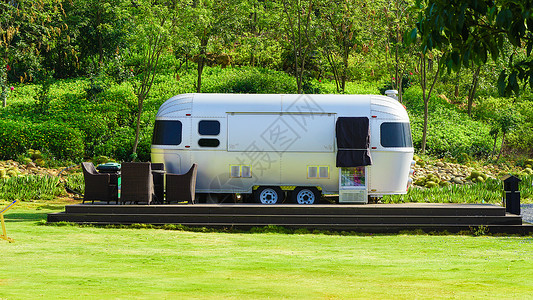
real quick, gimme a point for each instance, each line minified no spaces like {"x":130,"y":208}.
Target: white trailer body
{"x":245,"y":141}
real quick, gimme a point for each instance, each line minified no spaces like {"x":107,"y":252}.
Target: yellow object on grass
{"x":4,"y":234}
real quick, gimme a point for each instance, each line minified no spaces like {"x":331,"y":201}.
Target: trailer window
{"x":209,"y":127}
{"x":213,"y":143}
{"x":167,"y":133}
{"x":396,"y":135}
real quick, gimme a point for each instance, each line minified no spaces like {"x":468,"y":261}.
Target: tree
{"x":260,"y":41}
{"x":153,"y":23}
{"x":301,"y":32}
{"x":28,"y":29}
{"x":99,"y":29}
{"x":340,"y":27}
{"x":506,"y":121}
{"x":205,"y":20}
{"x":398,"y":18}
{"x":475,"y":30}
{"x":426,"y":64}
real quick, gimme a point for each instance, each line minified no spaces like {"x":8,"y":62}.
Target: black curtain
{"x":353,"y":142}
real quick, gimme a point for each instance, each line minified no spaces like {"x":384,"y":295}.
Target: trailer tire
{"x":269,"y":195}
{"x":306,"y":195}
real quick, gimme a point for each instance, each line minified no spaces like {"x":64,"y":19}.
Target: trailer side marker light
{"x":374,"y":147}
{"x":374,"y":116}
{"x":188,"y":115}
{"x":187,"y":146}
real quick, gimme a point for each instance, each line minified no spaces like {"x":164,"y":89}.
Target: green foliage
{"x":489,"y":191}
{"x":450,"y":132}
{"x":91,"y":124}
{"x":479,"y":230}
{"x":33,"y":187}
{"x":74,"y":183}
{"x":514,"y":116}
{"x":43,"y":97}
{"x":248,"y":80}
{"x":97,"y":86}
{"x":59,"y":139}
{"x":469,"y":32}
{"x":106,"y":124}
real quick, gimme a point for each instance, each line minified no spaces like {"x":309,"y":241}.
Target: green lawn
{"x":70,"y":262}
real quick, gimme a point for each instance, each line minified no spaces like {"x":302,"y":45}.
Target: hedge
{"x":61,"y":141}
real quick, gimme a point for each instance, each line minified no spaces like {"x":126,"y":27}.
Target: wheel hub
{"x":305,"y":197}
{"x":268,"y":196}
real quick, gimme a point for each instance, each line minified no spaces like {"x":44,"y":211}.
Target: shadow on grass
{"x":25,"y":216}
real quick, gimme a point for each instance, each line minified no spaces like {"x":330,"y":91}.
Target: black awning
{"x":353,"y":142}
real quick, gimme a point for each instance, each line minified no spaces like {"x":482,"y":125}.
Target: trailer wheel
{"x":269,"y":195}
{"x":306,"y":195}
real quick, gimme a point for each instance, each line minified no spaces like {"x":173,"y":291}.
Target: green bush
{"x":32,"y":187}
{"x":95,"y":122}
{"x":58,"y":139}
{"x":450,"y":132}
{"x":247,"y":80}
{"x":522,"y":137}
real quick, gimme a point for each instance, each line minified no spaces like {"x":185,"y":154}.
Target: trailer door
{"x":353,"y":142}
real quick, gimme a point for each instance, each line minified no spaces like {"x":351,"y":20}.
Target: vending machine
{"x":352,"y":185}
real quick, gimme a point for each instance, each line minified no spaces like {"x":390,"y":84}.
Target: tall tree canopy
{"x":474,"y":30}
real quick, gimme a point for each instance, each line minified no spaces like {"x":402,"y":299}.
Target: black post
{"x":512,"y":194}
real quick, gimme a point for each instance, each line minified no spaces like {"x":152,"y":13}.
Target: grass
{"x":65,"y":262}
{"x":31,"y":187}
{"x":490,"y":191}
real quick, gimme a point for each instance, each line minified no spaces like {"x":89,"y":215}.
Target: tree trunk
{"x":345,"y":67}
{"x":4,"y":96}
{"x":201,"y":61}
{"x":331,"y":62}
{"x":501,"y":149}
{"x":494,"y":146}
{"x":199,"y":79}
{"x":472,"y":92}
{"x":140,"y":101}
{"x":426,"y":96}
{"x":100,"y":38}
{"x":426,"y":102}
{"x":456,"y":91}
{"x":400,"y":90}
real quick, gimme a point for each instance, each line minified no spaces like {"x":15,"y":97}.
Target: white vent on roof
{"x":392,"y":93}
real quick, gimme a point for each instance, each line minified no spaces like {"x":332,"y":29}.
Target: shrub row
{"x":59,"y":139}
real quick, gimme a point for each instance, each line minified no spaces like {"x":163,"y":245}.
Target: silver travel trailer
{"x":287,"y":146}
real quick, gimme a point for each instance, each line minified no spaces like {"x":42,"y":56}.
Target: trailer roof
{"x":219,"y":105}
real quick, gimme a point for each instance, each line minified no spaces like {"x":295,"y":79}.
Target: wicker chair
{"x":137,"y":183}
{"x":159,"y":181}
{"x":182,"y":187}
{"x":99,"y":186}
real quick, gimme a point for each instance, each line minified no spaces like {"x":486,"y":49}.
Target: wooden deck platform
{"x":386,"y":218}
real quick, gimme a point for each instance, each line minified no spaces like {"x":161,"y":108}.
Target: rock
{"x":444,"y":183}
{"x":457,"y":180}
{"x":431,"y":184}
